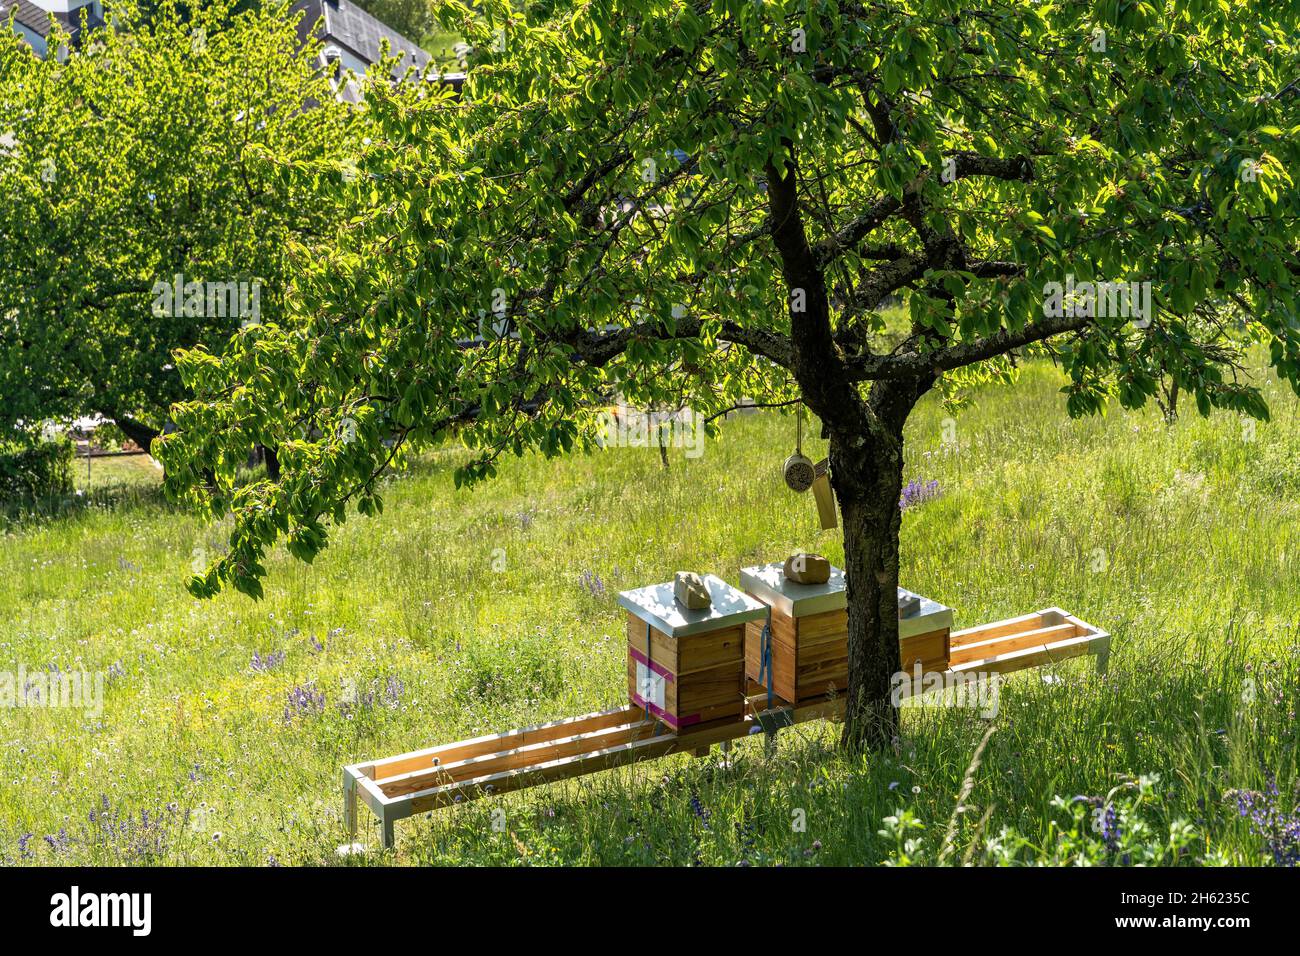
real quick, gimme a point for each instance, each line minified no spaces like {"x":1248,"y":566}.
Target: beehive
{"x":810,"y":634}
{"x":688,"y":667}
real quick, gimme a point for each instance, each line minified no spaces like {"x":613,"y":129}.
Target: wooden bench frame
{"x":423,"y":780}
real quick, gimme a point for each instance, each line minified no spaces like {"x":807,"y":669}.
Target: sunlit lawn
{"x":460,"y":613}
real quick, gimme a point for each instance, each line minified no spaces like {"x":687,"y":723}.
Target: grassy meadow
{"x":226,"y":723}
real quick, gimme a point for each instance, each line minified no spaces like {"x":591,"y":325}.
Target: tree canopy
{"x":710,"y":199}
{"x":155,"y":150}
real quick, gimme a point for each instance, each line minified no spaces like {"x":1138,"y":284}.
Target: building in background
{"x":352,"y":39}
{"x":31,"y":19}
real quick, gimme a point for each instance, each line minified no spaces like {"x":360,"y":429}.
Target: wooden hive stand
{"x":395,"y":788}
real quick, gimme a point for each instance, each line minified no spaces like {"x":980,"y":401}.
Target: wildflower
{"x":272,"y":660}
{"x":1109,"y":823}
{"x":592,"y":584}
{"x":916,"y":491}
{"x":1279,"y":828}
{"x":701,"y":812}
{"x":303,"y":700}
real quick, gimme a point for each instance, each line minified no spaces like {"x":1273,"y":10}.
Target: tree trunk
{"x":138,"y":432}
{"x":871,"y":524}
{"x":1170,"y":404}
{"x":867,"y":474}
{"x":272,"y":461}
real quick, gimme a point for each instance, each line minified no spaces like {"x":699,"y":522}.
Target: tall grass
{"x":460,"y":613}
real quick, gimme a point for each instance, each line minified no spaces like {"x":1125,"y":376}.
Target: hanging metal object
{"x":798,"y":469}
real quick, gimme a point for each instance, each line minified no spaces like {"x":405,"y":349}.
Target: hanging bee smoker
{"x":801,"y":474}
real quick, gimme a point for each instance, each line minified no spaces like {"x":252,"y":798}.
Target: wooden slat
{"x":519,"y":757}
{"x":984,"y":632}
{"x":663,"y":649}
{"x":717,"y":685}
{"x":929,"y":646}
{"x":495,"y":743}
{"x":699,"y":652}
{"x":1012,"y":642}
{"x":783,"y":676}
{"x":829,"y":625}
{"x":568,"y":767}
{"x":1031,"y":656}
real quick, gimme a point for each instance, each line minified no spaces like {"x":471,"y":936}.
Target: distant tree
{"x":152,"y":152}
{"x":413,"y":19}
{"x":712,"y":198}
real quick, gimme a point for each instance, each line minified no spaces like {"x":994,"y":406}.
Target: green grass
{"x":1182,"y":542}
{"x":114,"y":473}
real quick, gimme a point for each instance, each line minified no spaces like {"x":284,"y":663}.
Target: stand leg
{"x":350,"y":804}
{"x":1103,"y":655}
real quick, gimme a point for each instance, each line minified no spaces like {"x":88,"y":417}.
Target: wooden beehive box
{"x":688,"y":667}
{"x":810,"y":634}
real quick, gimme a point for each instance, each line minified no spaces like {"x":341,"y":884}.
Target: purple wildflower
{"x":916,"y":491}
{"x":701,"y":812}
{"x":303,"y":700}
{"x":271,"y":661}
{"x":592,"y":584}
{"x":1279,"y":828}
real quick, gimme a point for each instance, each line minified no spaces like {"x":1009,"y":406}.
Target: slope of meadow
{"x":225,"y":723}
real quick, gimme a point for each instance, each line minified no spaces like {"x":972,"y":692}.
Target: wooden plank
{"x":984,"y":632}
{"x":717,"y":685}
{"x":829,"y":625}
{"x":699,"y":652}
{"x":568,"y":767}
{"x":517,"y":758}
{"x":495,"y":743}
{"x":1031,"y":656}
{"x":929,"y":646}
{"x":820,"y":653}
{"x":663,"y":649}
{"x":783,"y":661}
{"x":1012,"y":642}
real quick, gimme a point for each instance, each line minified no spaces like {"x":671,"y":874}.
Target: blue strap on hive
{"x":765,"y":657}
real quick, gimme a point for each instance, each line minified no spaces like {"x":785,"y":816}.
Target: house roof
{"x":33,"y":18}
{"x":345,"y":24}
{"x":27,"y":15}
